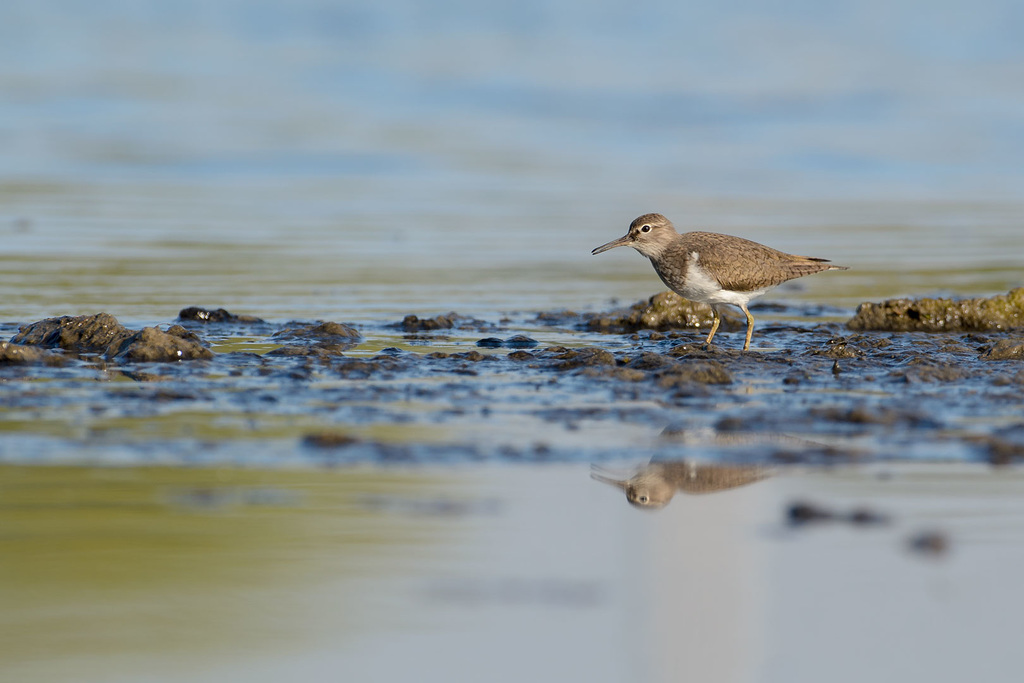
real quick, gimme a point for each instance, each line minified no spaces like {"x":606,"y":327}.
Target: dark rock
{"x":520,"y":341}
{"x":102,"y":334}
{"x":18,"y":354}
{"x":151,"y":345}
{"x":490,"y":343}
{"x":78,"y":334}
{"x":412,"y":323}
{"x":219,"y":315}
{"x":179,"y":331}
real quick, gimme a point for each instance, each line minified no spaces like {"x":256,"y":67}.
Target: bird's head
{"x":647,"y":489}
{"x":649,"y":234}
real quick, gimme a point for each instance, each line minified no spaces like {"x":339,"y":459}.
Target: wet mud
{"x":213,"y":385}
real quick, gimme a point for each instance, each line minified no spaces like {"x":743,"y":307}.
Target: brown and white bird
{"x":712,"y":268}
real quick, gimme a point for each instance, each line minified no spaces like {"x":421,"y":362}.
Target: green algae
{"x":1001,"y":312}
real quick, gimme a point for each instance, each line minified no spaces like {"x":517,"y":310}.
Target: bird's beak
{"x":623,"y":241}
{"x":602,"y":475}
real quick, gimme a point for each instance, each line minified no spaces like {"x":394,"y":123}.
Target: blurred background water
{"x":359,"y":161}
{"x":363,"y":160}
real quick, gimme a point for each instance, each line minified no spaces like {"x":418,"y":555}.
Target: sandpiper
{"x":712,"y":268}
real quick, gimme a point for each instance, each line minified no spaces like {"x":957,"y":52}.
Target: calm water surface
{"x":362,"y":161}
{"x":523,"y":573}
{"x":353,"y":162}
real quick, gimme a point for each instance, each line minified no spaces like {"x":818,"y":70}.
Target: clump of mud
{"x":316,"y":338}
{"x":663,"y":311}
{"x":413,"y":323}
{"x":1005,"y":349}
{"x":101,"y":334}
{"x":1002,"y":312}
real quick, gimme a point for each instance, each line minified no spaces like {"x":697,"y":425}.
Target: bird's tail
{"x":814,"y":260}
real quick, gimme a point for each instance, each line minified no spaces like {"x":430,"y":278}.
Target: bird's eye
{"x":645,"y":228}
{"x":642,"y":499}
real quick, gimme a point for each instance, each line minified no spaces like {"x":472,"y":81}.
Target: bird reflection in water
{"x":654,"y":485}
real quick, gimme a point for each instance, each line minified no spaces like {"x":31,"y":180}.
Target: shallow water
{"x":347,"y":162}
{"x":542,"y":573}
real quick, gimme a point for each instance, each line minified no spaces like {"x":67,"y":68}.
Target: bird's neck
{"x":654,"y":250}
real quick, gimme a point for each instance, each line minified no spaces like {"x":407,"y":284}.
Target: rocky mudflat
{"x":562,"y":386}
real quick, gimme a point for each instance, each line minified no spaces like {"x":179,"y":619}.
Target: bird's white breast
{"x":699,"y":285}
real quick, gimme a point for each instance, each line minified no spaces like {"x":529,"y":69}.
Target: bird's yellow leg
{"x":750,"y":327}
{"x":714,"y":326}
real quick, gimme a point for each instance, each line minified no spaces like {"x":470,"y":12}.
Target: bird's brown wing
{"x":743,"y":265}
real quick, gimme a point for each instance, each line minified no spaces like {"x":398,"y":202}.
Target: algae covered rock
{"x":663,"y":311}
{"x":414,"y":323}
{"x":102,"y":334}
{"x":152,"y":345}
{"x":1002,"y":312}
{"x":79,"y":334}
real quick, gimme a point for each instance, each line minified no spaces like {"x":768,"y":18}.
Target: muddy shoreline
{"x":556,"y":386}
